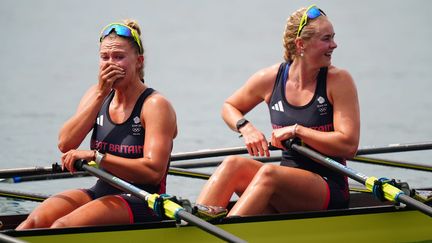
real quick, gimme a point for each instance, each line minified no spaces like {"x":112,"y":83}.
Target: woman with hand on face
{"x":309,"y":99}
{"x":133,"y":128}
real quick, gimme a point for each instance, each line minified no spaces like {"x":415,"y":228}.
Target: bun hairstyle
{"x":134,"y":25}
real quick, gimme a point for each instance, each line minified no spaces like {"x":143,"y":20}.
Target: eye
{"x":104,"y":57}
{"x":327,"y":38}
{"x":118,"y":56}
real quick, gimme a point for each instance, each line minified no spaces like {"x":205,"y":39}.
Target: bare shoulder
{"x":340,"y":83}
{"x":265,"y":75}
{"x":261,"y":83}
{"x":157,"y":99}
{"x":339,"y":76}
{"x":157,"y":103}
{"x":157,"y":112}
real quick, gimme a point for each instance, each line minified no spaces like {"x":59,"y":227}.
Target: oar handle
{"x":79,"y":164}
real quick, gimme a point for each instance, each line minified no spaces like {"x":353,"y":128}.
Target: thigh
{"x":242,"y":171}
{"x":299,"y":190}
{"x":56,"y":207}
{"x":102,"y":211}
{"x":232,"y":176}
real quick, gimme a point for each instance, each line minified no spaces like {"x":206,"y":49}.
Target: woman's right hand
{"x":109,"y":73}
{"x":255,"y":141}
{"x":68,"y":159}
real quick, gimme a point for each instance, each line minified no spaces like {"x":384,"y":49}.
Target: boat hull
{"x":377,"y":224}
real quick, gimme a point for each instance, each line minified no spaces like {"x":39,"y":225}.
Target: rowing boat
{"x":402,"y":218}
{"x":366,"y":219}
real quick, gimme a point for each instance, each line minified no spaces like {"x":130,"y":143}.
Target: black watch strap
{"x":241,"y":123}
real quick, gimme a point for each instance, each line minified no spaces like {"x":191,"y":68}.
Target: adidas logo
{"x":99,"y":120}
{"x":278,"y":106}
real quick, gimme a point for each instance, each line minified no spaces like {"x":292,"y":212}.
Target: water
{"x":197,"y":54}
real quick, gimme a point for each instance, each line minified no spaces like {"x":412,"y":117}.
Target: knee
{"x":232,"y":163}
{"x":60,"y":223}
{"x":266,"y":175}
{"x":34,"y":221}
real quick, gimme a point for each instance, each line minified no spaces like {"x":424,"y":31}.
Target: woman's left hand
{"x":68,"y":159}
{"x":281,"y":134}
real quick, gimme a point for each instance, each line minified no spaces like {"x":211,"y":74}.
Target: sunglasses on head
{"x":312,"y":12}
{"x":121,"y":30}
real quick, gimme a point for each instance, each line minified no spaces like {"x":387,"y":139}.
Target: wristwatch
{"x":99,"y":157}
{"x":241,"y":123}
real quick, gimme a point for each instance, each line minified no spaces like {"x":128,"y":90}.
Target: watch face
{"x":240,"y":123}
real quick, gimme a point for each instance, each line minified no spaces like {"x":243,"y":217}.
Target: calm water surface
{"x":197,"y":54}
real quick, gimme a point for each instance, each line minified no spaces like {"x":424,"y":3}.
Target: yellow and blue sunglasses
{"x":121,"y":30}
{"x":312,"y":12}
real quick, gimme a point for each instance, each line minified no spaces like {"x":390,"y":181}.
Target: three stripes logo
{"x":99,"y":120}
{"x":278,"y":106}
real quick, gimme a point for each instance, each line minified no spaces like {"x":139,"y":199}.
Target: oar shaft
{"x":213,"y":163}
{"x":393,"y":163}
{"x":8,"y":239}
{"x":5,"y":173}
{"x":188,"y":173}
{"x":392,"y":148}
{"x":208,"y":153}
{"x":116,"y":182}
{"x":368,"y":181}
{"x":207,"y":226}
{"x":127,"y":187}
{"x":50,"y":176}
{"x":415,"y":204}
{"x":23,"y":195}
{"x":330,"y":163}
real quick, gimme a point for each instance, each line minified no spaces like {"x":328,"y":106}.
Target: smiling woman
{"x":133,"y":128}
{"x":308,"y":99}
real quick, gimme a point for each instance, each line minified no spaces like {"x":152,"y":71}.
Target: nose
{"x":333,"y":44}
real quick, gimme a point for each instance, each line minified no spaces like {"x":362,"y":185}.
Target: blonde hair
{"x":290,"y":34}
{"x":134,"y":25}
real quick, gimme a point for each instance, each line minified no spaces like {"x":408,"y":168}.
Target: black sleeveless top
{"x":124,"y":140}
{"x":317,"y":114}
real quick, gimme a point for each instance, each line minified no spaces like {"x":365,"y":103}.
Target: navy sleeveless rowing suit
{"x":124,"y":140}
{"x":318,"y":115}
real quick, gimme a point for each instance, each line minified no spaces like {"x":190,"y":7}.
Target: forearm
{"x":141,"y":171}
{"x":231,"y":115}
{"x":78,"y":126}
{"x":333,"y":143}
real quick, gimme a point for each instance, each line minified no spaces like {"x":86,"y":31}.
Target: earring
{"x":301,"y":53}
